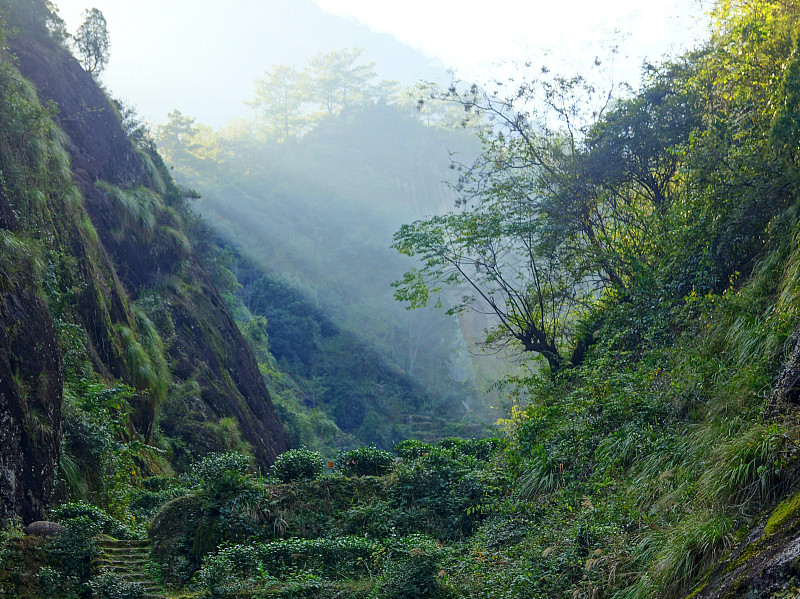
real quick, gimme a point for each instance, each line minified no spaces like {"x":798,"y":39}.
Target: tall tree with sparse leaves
{"x":92,"y":42}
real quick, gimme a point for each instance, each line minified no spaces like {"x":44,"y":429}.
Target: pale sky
{"x":201,"y":56}
{"x":474,"y":40}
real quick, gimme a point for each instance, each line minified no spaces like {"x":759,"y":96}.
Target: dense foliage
{"x":366,"y":461}
{"x":648,"y":254}
{"x":298,"y":464}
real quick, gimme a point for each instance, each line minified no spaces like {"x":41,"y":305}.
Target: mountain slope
{"x":101,"y":284}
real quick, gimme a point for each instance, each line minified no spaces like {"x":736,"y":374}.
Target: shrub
{"x":456,"y":443}
{"x":303,"y":585}
{"x":411,"y":448}
{"x":156,"y":491}
{"x":96,"y":519}
{"x":173,"y":532}
{"x":366,"y":461}
{"x":70,"y":554}
{"x":376,"y":519}
{"x":411,"y":569}
{"x":442,"y":491}
{"x":481,"y":449}
{"x":10,"y":533}
{"x":335,"y":557}
{"x":51,"y":582}
{"x":298,"y":464}
{"x":230,"y":572}
{"x":238,"y":569}
{"x":213,"y":467}
{"x":109,"y":585}
{"x":227,"y":506}
{"x":411,"y":577}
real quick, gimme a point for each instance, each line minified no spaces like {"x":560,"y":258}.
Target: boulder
{"x":42,"y":528}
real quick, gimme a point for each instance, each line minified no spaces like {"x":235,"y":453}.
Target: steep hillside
{"x":101,"y":285}
{"x":309,"y":220}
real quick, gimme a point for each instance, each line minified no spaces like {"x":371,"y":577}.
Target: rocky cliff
{"x":95,"y":253}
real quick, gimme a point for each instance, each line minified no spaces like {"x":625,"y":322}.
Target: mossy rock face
{"x":786,"y":511}
{"x":763,"y":563}
{"x":30,"y":402}
{"x":209,"y":349}
{"x":117,"y":263}
{"x":30,"y":390}
{"x":99,"y":148}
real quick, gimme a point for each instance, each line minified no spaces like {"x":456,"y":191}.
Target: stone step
{"x":123,"y":557}
{"x":132,"y":544}
{"x":123,"y":542}
{"x":127,"y":573}
{"x":132,"y":550}
{"x":124,"y":554}
{"x":117,"y":561}
{"x":120,"y":568}
{"x":134,"y":575}
{"x":147,"y":585}
{"x":127,"y":559}
{"x":143,"y":549}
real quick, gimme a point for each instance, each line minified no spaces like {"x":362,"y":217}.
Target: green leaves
{"x":298,"y":464}
{"x":290,"y":102}
{"x":92,"y":41}
{"x":785,"y":131}
{"x":500,"y":256}
{"x":366,"y":461}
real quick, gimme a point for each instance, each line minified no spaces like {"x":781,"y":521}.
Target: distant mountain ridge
{"x":203,"y":60}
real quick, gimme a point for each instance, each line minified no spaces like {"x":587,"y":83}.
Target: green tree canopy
{"x":92,"y":42}
{"x":337,"y":80}
{"x":280,"y":101}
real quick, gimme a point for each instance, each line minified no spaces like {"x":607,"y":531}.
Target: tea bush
{"x":366,"y":461}
{"x":410,"y":569}
{"x":109,"y":585}
{"x":375,"y":519}
{"x":70,"y":553}
{"x":411,"y":448}
{"x":51,"y":582}
{"x":298,"y":464}
{"x":335,"y":558}
{"x":96,"y":518}
{"x":155,"y":492}
{"x":226,"y":505}
{"x":481,"y":449}
{"x":304,"y":585}
{"x":411,"y":577}
{"x":231,"y":571}
{"x":441,"y":491}
{"x":238,"y":569}
{"x":214,"y":466}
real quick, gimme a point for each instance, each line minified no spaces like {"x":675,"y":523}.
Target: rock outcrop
{"x":123,"y":239}
{"x":30,"y":390}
